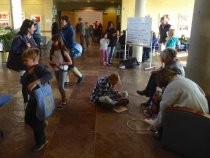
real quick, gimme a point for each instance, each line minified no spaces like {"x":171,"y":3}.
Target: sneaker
{"x":148,"y":113}
{"x":105,"y":63}
{"x":39,"y":147}
{"x":45,"y":123}
{"x":144,"y":92}
{"x":122,"y":102}
{"x":80,"y":79}
{"x":145,"y":105}
{"x":60,"y":106}
{"x":122,"y":67}
{"x":150,"y":121}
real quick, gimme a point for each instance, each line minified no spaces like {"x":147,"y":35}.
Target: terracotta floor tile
{"x":77,"y":122}
{"x":81,"y":130}
{"x":76,"y":145}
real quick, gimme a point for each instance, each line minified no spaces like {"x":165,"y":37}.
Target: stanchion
{"x":150,"y":54}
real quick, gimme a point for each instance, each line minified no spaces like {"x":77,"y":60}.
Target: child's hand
{"x":28,"y":45}
{"x":119,"y":95}
{"x":31,"y":70}
{"x":32,"y":85}
{"x":52,"y":63}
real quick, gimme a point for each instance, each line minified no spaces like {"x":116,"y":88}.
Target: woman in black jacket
{"x":112,"y":36}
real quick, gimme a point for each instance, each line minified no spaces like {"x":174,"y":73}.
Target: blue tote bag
{"x":45,"y":101}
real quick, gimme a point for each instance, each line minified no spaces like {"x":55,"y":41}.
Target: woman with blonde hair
{"x":171,"y":40}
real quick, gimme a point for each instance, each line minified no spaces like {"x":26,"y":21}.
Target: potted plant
{"x":6,"y":37}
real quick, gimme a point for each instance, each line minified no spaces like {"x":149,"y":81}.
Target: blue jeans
{"x":110,"y":51}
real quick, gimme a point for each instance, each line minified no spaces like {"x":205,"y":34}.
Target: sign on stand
{"x":139,"y":33}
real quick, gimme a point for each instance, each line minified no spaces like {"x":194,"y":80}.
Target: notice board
{"x":139,"y":31}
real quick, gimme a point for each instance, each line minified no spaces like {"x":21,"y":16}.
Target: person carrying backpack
{"x":68,"y":36}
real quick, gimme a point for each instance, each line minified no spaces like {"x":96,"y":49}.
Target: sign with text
{"x":139,"y":31}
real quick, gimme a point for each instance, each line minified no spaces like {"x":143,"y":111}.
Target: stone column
{"x":16,"y":13}
{"x":198,"y":62}
{"x":140,"y":9}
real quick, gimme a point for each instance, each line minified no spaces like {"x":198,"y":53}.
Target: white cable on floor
{"x":134,"y":129}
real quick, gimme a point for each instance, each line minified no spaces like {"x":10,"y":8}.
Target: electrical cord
{"x":135,"y":129}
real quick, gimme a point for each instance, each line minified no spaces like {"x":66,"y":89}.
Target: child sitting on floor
{"x":105,"y":95}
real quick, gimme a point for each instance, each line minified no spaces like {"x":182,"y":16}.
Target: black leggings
{"x":151,"y":86}
{"x":36,"y":124}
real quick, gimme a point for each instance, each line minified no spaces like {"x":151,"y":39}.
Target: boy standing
{"x":34,"y":75}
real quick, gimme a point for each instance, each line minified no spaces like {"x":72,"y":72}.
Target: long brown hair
{"x":61,"y":45}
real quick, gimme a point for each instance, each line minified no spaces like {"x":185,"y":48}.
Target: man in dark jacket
{"x":68,"y":36}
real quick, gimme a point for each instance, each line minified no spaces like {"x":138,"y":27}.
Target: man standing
{"x":163,"y":29}
{"x":80,"y":28}
{"x":68,"y":37}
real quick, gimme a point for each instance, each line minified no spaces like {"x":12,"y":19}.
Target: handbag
{"x":45,"y":101}
{"x":14,"y":62}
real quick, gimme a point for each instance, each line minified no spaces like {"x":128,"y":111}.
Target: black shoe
{"x":80,"y":79}
{"x":145,"y":105}
{"x":122,"y":102}
{"x":144,"y":92}
{"x":39,"y":147}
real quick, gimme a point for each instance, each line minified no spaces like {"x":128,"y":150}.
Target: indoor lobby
{"x":83,"y":130}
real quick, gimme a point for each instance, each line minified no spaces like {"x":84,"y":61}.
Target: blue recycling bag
{"x":76,"y":50}
{"x":45,"y":101}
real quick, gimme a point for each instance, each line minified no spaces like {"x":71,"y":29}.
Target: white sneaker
{"x":122,"y":67}
{"x":150,"y":121}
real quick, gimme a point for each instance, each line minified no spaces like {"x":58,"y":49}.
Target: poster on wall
{"x":4,"y":24}
{"x":4,"y":16}
{"x":23,"y":16}
{"x":184,"y":24}
{"x":38,"y":17}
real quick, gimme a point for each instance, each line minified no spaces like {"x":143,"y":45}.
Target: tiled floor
{"x":81,"y":130}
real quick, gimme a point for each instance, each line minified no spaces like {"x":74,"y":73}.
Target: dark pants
{"x":36,"y":124}
{"x":146,"y":54}
{"x":82,"y":38}
{"x":25,"y":94}
{"x":151,"y":86}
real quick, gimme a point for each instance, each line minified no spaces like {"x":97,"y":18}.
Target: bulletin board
{"x":139,"y":31}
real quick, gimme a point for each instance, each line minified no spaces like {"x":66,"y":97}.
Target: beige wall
{"x":153,"y":8}
{"x":156,"y":9}
{"x":5,"y":7}
{"x":42,"y":8}
{"x":128,"y":10}
{"x":108,"y":15}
